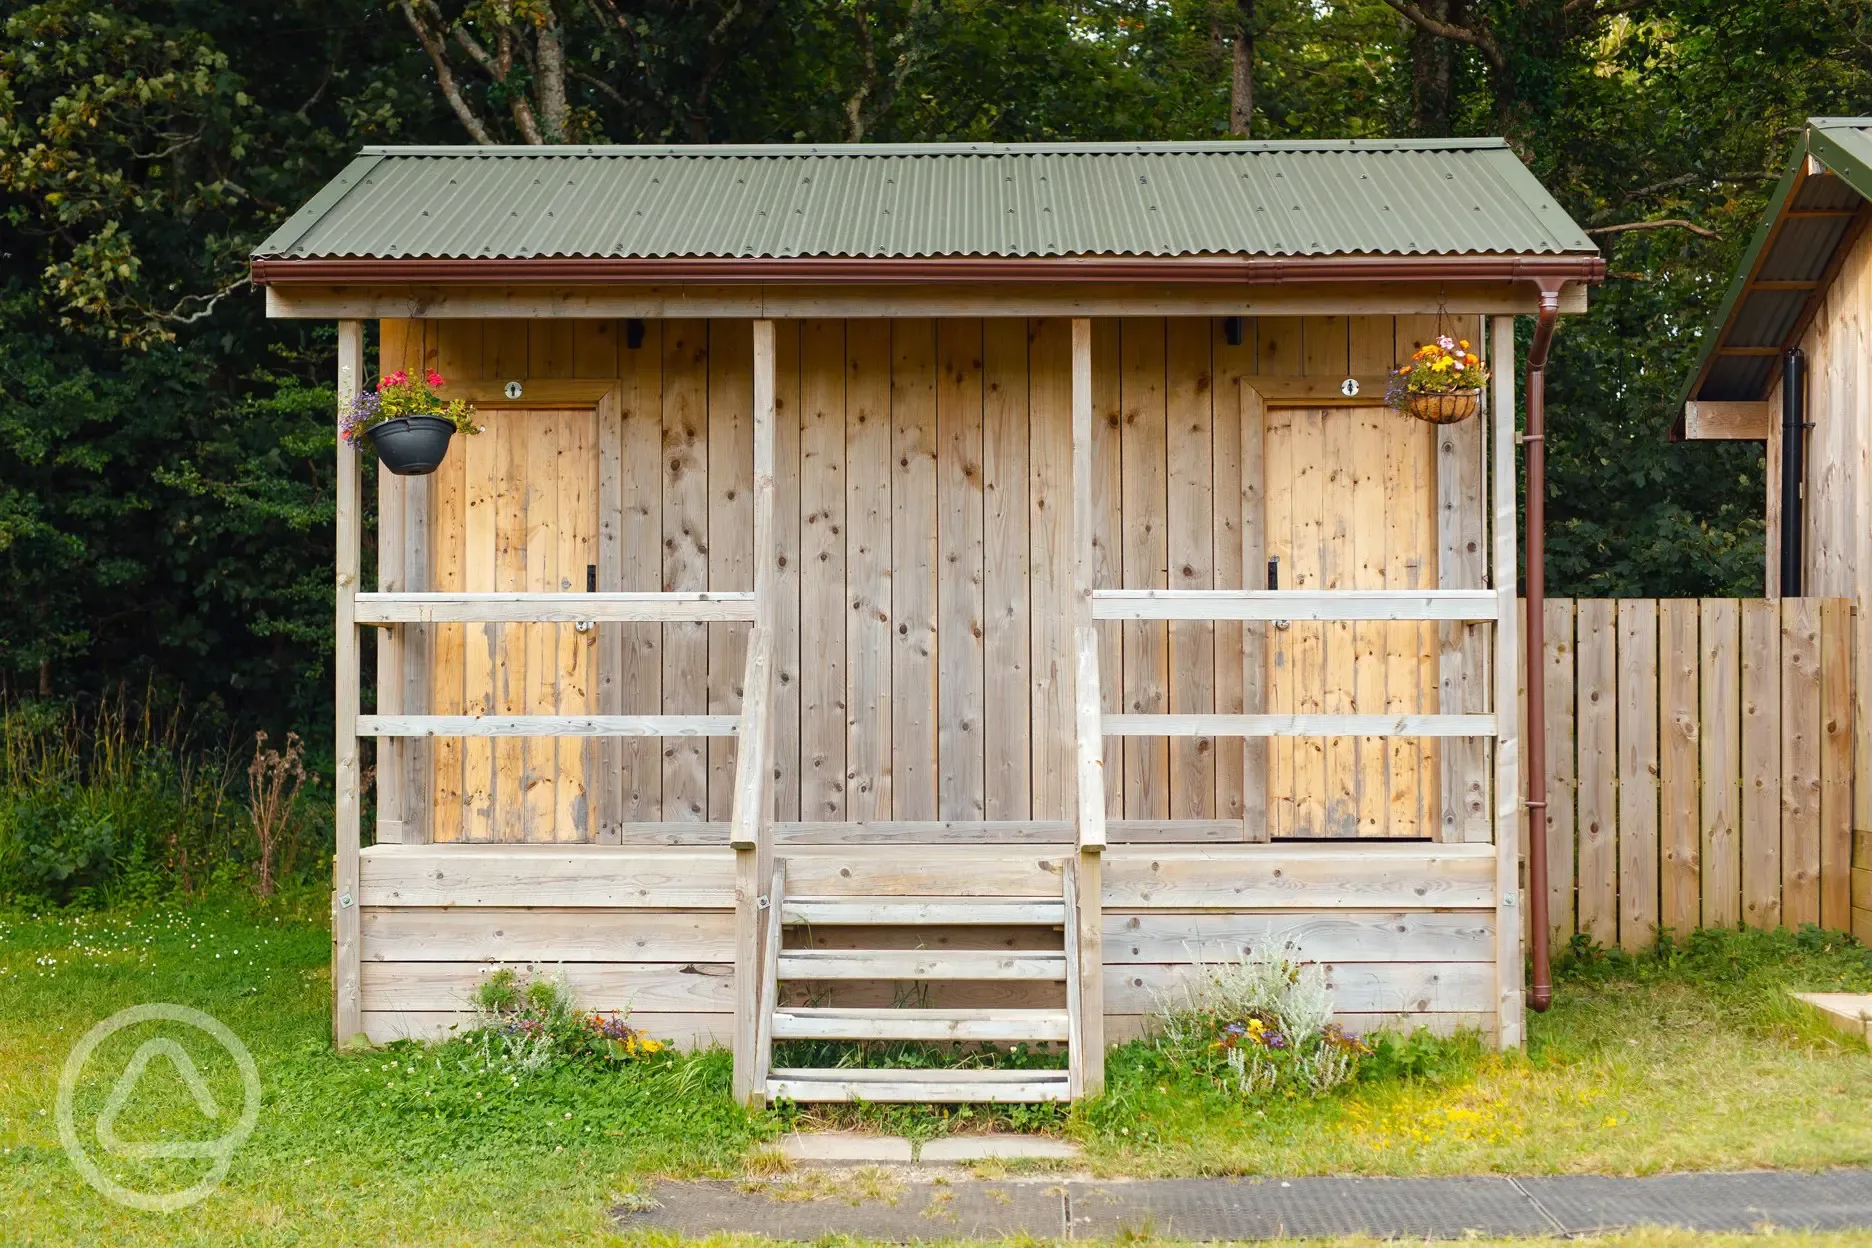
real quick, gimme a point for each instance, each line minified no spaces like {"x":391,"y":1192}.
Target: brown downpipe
{"x":1534,"y":440}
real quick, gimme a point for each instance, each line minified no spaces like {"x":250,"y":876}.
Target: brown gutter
{"x":1534,"y":438}
{"x":727,"y":270}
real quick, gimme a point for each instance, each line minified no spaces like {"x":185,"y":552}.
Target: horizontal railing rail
{"x":1461,"y":605}
{"x":1298,"y":725}
{"x":549,"y":725}
{"x":597,"y":608}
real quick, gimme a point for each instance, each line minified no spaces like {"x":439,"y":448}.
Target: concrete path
{"x":904,"y":1205}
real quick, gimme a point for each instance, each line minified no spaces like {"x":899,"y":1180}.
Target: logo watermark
{"x":220,"y":1151}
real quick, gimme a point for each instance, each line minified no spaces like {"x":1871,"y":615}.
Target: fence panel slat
{"x":1800,"y":761}
{"x":1637,"y":773}
{"x":1761,"y":763}
{"x":1836,"y":763}
{"x":1679,"y":665}
{"x":1558,"y":681}
{"x":1721,"y":759}
{"x":1597,"y":658}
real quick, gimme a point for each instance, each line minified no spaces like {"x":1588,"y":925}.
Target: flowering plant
{"x":399,"y":394}
{"x":526,"y":1024}
{"x":1261,"y":1024}
{"x":1443,"y":365}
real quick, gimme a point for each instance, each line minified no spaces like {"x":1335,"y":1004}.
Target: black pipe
{"x":1793,"y":466}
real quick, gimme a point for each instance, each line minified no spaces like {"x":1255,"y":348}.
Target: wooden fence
{"x":1699,"y":764}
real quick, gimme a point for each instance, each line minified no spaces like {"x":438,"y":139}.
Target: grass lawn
{"x":1686,"y":1061}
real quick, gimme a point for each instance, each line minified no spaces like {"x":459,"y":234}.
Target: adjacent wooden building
{"x":1787,"y":361}
{"x":932,"y":592}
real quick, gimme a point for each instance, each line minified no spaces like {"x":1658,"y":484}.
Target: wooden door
{"x":516,"y":510}
{"x":1351,"y":504}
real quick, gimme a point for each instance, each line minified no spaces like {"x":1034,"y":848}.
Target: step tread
{"x":958,"y":964}
{"x":890,"y":1023}
{"x":918,"y":1084}
{"x":949,"y":911}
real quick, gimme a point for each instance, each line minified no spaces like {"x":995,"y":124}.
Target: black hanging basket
{"x":412,"y":446}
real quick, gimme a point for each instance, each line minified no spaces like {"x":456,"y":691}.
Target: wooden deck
{"x":1406,"y":931}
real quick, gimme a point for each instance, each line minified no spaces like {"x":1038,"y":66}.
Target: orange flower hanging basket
{"x":1441,"y":382}
{"x":1444,"y":409}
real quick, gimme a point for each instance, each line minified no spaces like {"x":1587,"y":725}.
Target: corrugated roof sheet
{"x":1376,"y":197}
{"x":1800,"y":250}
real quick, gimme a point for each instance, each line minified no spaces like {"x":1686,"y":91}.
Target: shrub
{"x":1260,"y":1024}
{"x":527,"y":1024}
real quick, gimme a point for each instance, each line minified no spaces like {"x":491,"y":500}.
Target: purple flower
{"x":1274,"y":1040}
{"x":361,"y":415}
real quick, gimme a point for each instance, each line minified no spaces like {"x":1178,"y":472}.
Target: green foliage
{"x":1745,"y":972}
{"x":111,"y":807}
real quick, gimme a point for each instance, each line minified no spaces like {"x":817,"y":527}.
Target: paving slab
{"x":845,"y":1146}
{"x":1274,"y":1208}
{"x":1850,"y":1012}
{"x":972,"y":1209}
{"x":1831,"y":1200}
{"x":956,"y":1148}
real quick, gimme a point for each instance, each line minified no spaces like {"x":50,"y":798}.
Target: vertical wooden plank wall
{"x":1699,"y":765}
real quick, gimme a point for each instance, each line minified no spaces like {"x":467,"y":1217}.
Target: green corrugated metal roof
{"x":1801,"y":250}
{"x":1351,"y":197}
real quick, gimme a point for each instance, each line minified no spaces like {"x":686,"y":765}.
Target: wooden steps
{"x":871,"y":963}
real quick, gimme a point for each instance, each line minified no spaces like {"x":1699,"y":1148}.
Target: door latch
{"x":591,"y":587}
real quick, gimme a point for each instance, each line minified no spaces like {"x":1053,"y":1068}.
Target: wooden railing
{"x":1699,"y":765}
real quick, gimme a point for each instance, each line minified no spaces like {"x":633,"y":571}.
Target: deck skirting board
{"x":1357,"y":987}
{"x":1301,"y":877}
{"x":1120,"y":1028}
{"x":1148,"y":936}
{"x":515,"y":934}
{"x":687,"y":1030}
{"x":546,"y":875}
{"x":651,"y":987}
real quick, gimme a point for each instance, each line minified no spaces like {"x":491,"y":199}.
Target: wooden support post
{"x":1089,"y":971}
{"x":1462,"y":557}
{"x":347,"y":1003}
{"x":392,"y":755}
{"x":749,"y":832}
{"x":1509,"y":900}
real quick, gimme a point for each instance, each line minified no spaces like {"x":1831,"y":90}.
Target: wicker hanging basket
{"x":1444,"y":409}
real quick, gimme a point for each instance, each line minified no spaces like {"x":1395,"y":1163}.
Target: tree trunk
{"x":550,"y":53}
{"x":1241,"y":83}
{"x":1432,"y":76}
